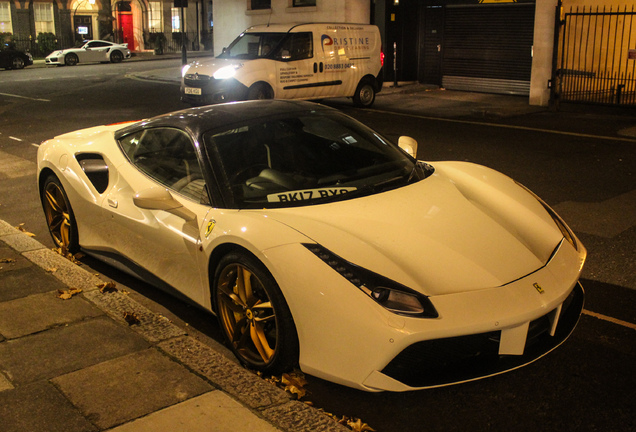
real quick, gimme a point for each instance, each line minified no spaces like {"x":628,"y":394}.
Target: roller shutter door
{"x":488,"y":48}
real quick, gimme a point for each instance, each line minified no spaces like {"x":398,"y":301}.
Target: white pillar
{"x":543,"y":46}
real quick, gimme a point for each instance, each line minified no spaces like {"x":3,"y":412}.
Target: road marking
{"x":610,"y":319}
{"x":25,"y":97}
{"x":478,"y":123}
{"x":14,"y":138}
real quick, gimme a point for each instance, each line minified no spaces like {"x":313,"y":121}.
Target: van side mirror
{"x":157,"y":198}
{"x":409,"y":145}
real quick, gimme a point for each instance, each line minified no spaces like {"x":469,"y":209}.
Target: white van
{"x":290,"y":61}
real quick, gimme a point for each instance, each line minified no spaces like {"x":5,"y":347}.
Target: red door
{"x":126,"y":26}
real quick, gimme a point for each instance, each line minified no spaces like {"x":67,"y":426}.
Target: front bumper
{"x":205,"y":90}
{"x":439,"y":362}
{"x":355,"y":342}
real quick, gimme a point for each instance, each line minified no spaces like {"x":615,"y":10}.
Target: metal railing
{"x":597,"y":56}
{"x":164,"y":43}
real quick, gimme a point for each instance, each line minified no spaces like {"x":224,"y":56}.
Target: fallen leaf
{"x":107,"y":287}
{"x":21,"y":228}
{"x":358,"y":426}
{"x":294,"y":383}
{"x":52,"y":270}
{"x":7,"y":260}
{"x":131,"y":318}
{"x":66,"y":254}
{"x":67,"y":294}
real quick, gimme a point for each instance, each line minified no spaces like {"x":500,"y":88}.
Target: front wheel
{"x":260,"y":91}
{"x":253,"y":314}
{"x":71,"y":59}
{"x":364,"y":95}
{"x":59,"y":215}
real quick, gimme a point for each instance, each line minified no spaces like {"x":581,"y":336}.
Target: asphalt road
{"x":585,"y":173}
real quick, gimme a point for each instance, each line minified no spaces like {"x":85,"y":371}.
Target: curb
{"x":260,"y":397}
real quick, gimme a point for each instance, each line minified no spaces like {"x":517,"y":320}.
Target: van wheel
{"x":260,"y":91}
{"x":364,"y":95}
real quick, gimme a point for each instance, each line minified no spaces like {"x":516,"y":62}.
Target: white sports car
{"x":90,"y":51}
{"x":318,"y":243}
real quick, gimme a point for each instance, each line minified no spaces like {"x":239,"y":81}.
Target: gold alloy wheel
{"x":246,"y":314}
{"x":58,"y":216}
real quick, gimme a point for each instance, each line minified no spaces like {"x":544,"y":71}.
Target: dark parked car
{"x":11,"y":58}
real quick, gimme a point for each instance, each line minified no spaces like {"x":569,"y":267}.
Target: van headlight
{"x":184,"y":70}
{"x":227,"y":72}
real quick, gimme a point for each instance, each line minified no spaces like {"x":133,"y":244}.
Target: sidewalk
{"x":77,"y":365}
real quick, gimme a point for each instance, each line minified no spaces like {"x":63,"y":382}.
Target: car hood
{"x":208,"y":67}
{"x":464,"y":228}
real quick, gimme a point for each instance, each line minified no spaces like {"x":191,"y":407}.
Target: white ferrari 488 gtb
{"x":318,"y":243}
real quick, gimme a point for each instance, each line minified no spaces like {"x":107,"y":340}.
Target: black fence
{"x":159,"y":42}
{"x":597,"y":56}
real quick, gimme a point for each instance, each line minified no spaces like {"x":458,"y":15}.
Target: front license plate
{"x":193,"y":91}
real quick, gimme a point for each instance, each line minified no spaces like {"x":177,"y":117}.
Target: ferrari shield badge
{"x":535,"y":285}
{"x":210,"y":227}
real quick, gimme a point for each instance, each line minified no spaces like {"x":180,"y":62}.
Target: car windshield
{"x":307,"y":158}
{"x":250,"y":46}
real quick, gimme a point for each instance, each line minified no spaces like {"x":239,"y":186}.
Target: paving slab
{"x":128,"y":387}
{"x":40,"y":407}
{"x":67,"y":272}
{"x":22,"y":242}
{"x":65,"y":349}
{"x":300,"y":417}
{"x":228,"y":376}
{"x":10,"y":260}
{"x":150,"y":325}
{"x":211,"y":412}
{"x":40,"y":312}
{"x":27,"y":281}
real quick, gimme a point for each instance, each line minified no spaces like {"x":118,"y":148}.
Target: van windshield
{"x":250,"y":46}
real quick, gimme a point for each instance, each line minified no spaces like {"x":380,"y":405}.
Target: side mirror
{"x":157,"y":198}
{"x":409,"y":145}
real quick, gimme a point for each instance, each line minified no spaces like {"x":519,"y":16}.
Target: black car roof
{"x":200,"y":119}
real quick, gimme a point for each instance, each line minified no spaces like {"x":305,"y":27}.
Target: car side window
{"x":169,"y":157}
{"x":298,"y":46}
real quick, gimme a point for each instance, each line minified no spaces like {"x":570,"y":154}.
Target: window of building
{"x":176,"y":21}
{"x":259,"y":4}
{"x":303,"y":3}
{"x":43,"y":18}
{"x":5,"y":18}
{"x":155,"y":21}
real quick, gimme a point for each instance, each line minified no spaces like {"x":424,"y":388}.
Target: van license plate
{"x":193,"y":91}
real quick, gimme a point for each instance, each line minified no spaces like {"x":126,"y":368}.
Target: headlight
{"x":389,"y":294}
{"x":227,"y":72}
{"x":184,"y":70}
{"x":565,"y":230}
